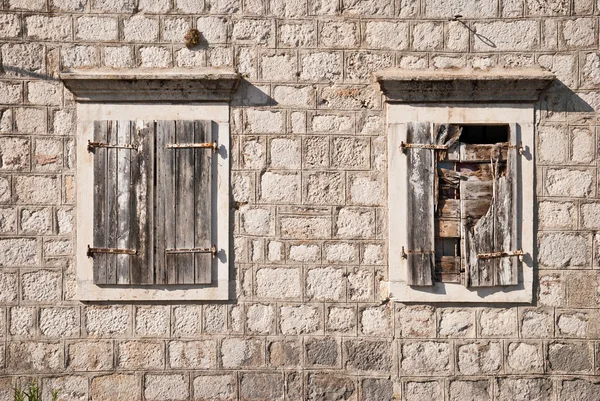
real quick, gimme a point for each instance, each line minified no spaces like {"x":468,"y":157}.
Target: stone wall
{"x":309,"y":164}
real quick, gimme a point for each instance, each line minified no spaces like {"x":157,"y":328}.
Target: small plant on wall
{"x":31,"y":393}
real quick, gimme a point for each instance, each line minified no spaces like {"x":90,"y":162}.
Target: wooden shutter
{"x":123,"y":202}
{"x":184,"y":198}
{"x":495,"y":232}
{"x":420,"y":214}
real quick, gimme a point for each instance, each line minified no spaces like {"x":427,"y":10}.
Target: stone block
{"x":275,"y":251}
{"x":10,"y":26}
{"x":10,"y":93}
{"x":95,"y":28}
{"x":371,"y":8}
{"x":165,"y":387}
{"x":524,"y":357}
{"x":423,"y":390}
{"x":252,"y":153}
{"x":578,"y":390}
{"x":564,"y":250}
{"x":80,"y":56}
{"x":253,"y":32}
{"x":35,"y":356}
{"x":361,"y":65}
{"x":213,"y":29}
{"x":466,"y":8}
{"x":281,"y":66}
{"x":284,"y":353}
{"x":386,"y":35}
{"x":351,"y":153}
{"x":340,"y":320}
{"x":294,"y":96}
{"x":8,"y":287}
{"x":427,"y":36}
{"x":590,"y":76}
{"x":298,"y":34}
{"x":523,"y":389}
{"x":569,"y":357}
{"x":285,"y":153}
{"x":261,"y":386}
{"x":59,"y":322}
{"x":118,"y":57}
{"x":154,"y":6}
{"x":376,"y":321}
{"x":322,"y":352}
{"x":256,"y":221}
{"x":371,"y":356}
{"x":214,"y":387}
{"x":189,"y":6}
{"x":354,"y":223}
{"x":37,"y":189}
{"x":240,"y":352}
{"x":186,"y":320}
{"x":116,"y":387}
{"x":481,"y":357}
{"x":589,"y":216}
{"x":260,"y":319}
{"x":316,"y":152}
{"x":18,"y":252}
{"x":415,"y":321}
{"x":14,"y":154}
{"x":572,"y":324}
{"x":349,"y":98}
{"x":329,"y":386}
{"x":139,"y":28}
{"x":377,"y":390}
{"x":498,"y":323}
{"x":89,"y":356}
{"x":107,"y":320}
{"x":264,"y":121}
{"x":340,"y":252}
{"x":552,"y":290}
{"x":303,"y":319}
{"x":365,"y":189}
{"x":332,"y":123}
{"x":321,"y":66}
{"x":223,"y":6}
{"x":583,"y":149}
{"x":173,"y":30}
{"x":360,"y":285}
{"x":68,"y":387}
{"x":546,"y":8}
{"x":22,"y":321}
{"x":140,"y":355}
{"x":214,"y":319}
{"x":427,"y":357}
{"x":305,"y":227}
{"x":152,"y":321}
{"x":339,"y":34}
{"x":21,"y":56}
{"x":537,"y":323}
{"x":507,"y":36}
{"x":577,"y":34}
{"x":31,"y":5}
{"x":48,"y":154}
{"x":54,"y":28}
{"x":565,"y":69}
{"x":155,"y":57}
{"x":308,"y":253}
{"x":582,"y":289}
{"x":557,"y":215}
{"x":278,"y":283}
{"x":324,"y":188}
{"x":470,"y":390}
{"x":8,"y":220}
{"x":456,"y":323}
{"x":286,"y":9}
{"x":30,"y":120}
{"x":41,"y":286}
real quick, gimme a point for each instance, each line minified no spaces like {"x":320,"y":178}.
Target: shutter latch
{"x":404,"y":146}
{"x":91,"y":251}
{"x":212,"y":250}
{"x":405,"y":254}
{"x":493,"y":255}
{"x":92,"y":145}
{"x":206,"y":145}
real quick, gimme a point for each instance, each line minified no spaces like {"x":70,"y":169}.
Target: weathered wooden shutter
{"x":123,"y":202}
{"x":420,"y":214}
{"x":489,"y":243}
{"x":183,"y":199}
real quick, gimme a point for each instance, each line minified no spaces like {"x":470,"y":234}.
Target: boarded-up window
{"x":152,"y":202}
{"x":462,"y":186}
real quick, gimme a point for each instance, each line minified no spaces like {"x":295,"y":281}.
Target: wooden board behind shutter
{"x":420,"y":213}
{"x":99,"y":201}
{"x":184,"y":203}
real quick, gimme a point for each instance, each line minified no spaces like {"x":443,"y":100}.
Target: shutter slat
{"x":142,"y":205}
{"x":184,"y":203}
{"x":203,"y":194}
{"x":99,"y":157}
{"x":165,"y":200}
{"x":123,"y":200}
{"x":420,"y":213}
{"x":111,"y":204}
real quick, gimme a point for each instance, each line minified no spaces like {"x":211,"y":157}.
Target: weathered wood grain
{"x":99,"y":202}
{"x":203,"y":202}
{"x":112,"y":207}
{"x":123,"y":200}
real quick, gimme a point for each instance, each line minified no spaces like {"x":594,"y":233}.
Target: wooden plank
{"x":123,"y":199}
{"x":447,"y":269}
{"x":474,"y":189}
{"x":420,"y":189}
{"x":449,"y":209}
{"x":447,"y":228}
{"x":203,"y":202}
{"x":165,"y":203}
{"x":483,"y":153}
{"x":476,"y":208}
{"x":112,"y":218}
{"x":142,"y":205}
{"x":184,"y":201}
{"x":99,"y":225}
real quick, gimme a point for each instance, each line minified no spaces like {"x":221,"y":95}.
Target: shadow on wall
{"x":559,"y":98}
{"x":249,"y":95}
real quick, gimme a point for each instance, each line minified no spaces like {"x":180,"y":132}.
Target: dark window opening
{"x":484,"y":134}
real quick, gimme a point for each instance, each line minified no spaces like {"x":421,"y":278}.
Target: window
{"x":153,"y":185}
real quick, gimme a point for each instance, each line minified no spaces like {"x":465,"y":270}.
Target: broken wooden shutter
{"x":123,"y":202}
{"x":184,"y":249}
{"x":420,"y":214}
{"x":490,"y":244}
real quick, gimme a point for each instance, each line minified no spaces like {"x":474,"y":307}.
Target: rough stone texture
{"x":568,"y":182}
{"x":498,"y":323}
{"x":330,"y":387}
{"x":537,"y":324}
{"x":140,"y":355}
{"x":463,"y":390}
{"x":511,"y":389}
{"x":116,"y":387}
{"x":302,"y":319}
{"x":214,"y":387}
{"x":325,"y":284}
{"x":557,"y":215}
{"x":35,"y":356}
{"x":427,"y":357}
{"x":524,"y":358}
{"x":165,"y":387}
{"x":256,"y":386}
{"x":563,"y":250}
{"x":340,"y":320}
{"x":107,"y":320}
{"x":238,"y":352}
{"x":59,"y":322}
{"x":284,"y":353}
{"x":90,"y":355}
{"x":479,"y":358}
{"x":261,"y":319}
{"x":152,"y":321}
{"x":456,"y":323}
{"x":578,"y":389}
{"x":322,"y":352}
{"x":423,"y":390}
{"x":569,"y":357}
{"x":368,"y":356}
{"x":192,"y":354}
{"x":278,"y":283}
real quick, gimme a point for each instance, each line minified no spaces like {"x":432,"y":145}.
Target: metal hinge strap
{"x":503,"y":254}
{"x":92,"y":145}
{"x":405,"y":253}
{"x":206,"y":145}
{"x":212,"y":250}
{"x":91,"y":251}
{"x":404,"y":146}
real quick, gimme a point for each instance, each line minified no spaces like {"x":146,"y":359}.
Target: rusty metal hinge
{"x":405,"y":254}
{"x":404,"y":146}
{"x":206,"y":145}
{"x":212,"y":250}
{"x":118,"y":251}
{"x":92,"y":145}
{"x":502,"y":254}
{"x":519,"y":148}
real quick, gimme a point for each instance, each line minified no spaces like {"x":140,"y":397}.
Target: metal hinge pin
{"x":91,"y":251}
{"x":206,"y":145}
{"x":212,"y":250}
{"x":91,"y":145}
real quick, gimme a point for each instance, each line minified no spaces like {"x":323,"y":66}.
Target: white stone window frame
{"x":152,"y":96}
{"x":414,"y":97}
